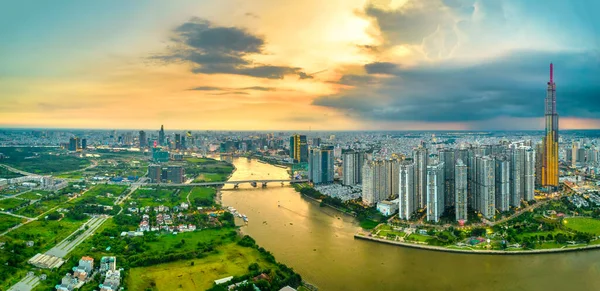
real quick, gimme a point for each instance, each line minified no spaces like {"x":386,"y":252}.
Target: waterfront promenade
{"x":478,"y":252}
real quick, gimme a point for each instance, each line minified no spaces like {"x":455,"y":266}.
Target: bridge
{"x":235,"y":184}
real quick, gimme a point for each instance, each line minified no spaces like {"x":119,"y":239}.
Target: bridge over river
{"x":235,"y":184}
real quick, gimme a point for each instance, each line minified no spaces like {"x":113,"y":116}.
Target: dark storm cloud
{"x":357,"y":80}
{"x":381,"y":68}
{"x":222,"y":50}
{"x":513,"y":85}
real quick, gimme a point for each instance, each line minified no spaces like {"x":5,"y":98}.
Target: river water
{"x":318,"y":243}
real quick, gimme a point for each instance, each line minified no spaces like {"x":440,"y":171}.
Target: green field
{"x":33,"y":195}
{"x":6,"y":174}
{"x":419,"y":237}
{"x":583,"y":224}
{"x":45,"y":232}
{"x":231,"y":260}
{"x":10,"y":203}
{"x":202,"y":196}
{"x":41,"y":206}
{"x":168,"y":196}
{"x":368,"y":224}
{"x":99,"y":194}
{"x":207,"y":170}
{"x":7,"y":221}
{"x":42,"y":160}
{"x":210,"y":177}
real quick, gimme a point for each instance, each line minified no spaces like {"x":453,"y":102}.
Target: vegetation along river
{"x":318,"y":243}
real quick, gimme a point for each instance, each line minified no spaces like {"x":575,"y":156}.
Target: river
{"x":318,"y":243}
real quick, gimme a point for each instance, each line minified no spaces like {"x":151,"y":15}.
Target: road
{"x":26,"y":284}
{"x":17,"y":170}
{"x":63,"y":248}
{"x":15,"y":195}
{"x":528,"y":208}
{"x":16,"y":215}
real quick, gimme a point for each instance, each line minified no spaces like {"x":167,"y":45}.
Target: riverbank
{"x":482,"y":252}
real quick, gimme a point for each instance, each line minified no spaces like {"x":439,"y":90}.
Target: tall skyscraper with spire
{"x":550,"y":142}
{"x":161,"y":136}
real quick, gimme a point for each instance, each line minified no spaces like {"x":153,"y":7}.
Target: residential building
{"x":298,"y":148}
{"x":435,"y":191}
{"x":352,"y":167}
{"x":502,"y":176}
{"x":406,"y":190}
{"x":420,"y":157}
{"x":320,"y":166}
{"x":460,"y":190}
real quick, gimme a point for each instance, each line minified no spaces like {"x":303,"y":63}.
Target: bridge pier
{"x":236,"y":186}
{"x":281,"y":184}
{"x":253,"y":184}
{"x":264,"y":184}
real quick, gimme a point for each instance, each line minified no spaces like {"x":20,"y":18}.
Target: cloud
{"x":357,"y":80}
{"x":252,"y":15}
{"x":231,"y":93}
{"x":211,"y":88}
{"x":222,"y":50}
{"x":513,"y":85}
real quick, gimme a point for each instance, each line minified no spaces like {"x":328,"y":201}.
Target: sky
{"x":298,"y":65}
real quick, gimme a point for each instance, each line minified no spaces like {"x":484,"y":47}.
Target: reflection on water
{"x":318,"y":243}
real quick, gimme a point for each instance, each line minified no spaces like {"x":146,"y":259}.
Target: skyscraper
{"x":447,"y":156}
{"x":420,"y":157}
{"x":460,"y":190}
{"x":143,"y":139}
{"x":374,"y":182}
{"x":550,"y":155}
{"x":529,"y":174}
{"x":352,"y":167}
{"x":406,"y":190}
{"x":161,"y":136}
{"x":177,"y":141}
{"x":517,"y":175}
{"x":486,"y":199}
{"x":503,"y":184}
{"x":299,"y":148}
{"x":320,"y":165}
{"x":435,"y":191}
{"x":574,"y":152}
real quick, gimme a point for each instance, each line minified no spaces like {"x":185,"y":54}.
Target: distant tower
{"x":550,"y":155}
{"x":460,"y":190}
{"x":143,"y":140}
{"x":161,"y":136}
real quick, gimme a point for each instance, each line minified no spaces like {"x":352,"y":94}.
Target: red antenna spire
{"x":551,"y":73}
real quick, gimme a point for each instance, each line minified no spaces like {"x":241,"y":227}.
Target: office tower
{"x":77,"y":143}
{"x":352,"y":167}
{"x":154,"y":173}
{"x":435,"y":191}
{"x":460,"y":190}
{"x":73,"y":144}
{"x":420,"y":157}
{"x":320,"y":165}
{"x":486,"y":183}
{"x":83,"y":143}
{"x":298,"y":148}
{"x":406,"y":190}
{"x":143,"y":140}
{"x":503,"y":184}
{"x":161,"y":136}
{"x":177,"y":141}
{"x":175,"y":174}
{"x":539,"y":161}
{"x":316,"y":142}
{"x":550,"y":155}
{"x":574,"y":153}
{"x":448,"y":157}
{"x":182,"y":146}
{"x":529,"y":174}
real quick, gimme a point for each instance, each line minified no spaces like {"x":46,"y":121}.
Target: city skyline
{"x":356,"y":65}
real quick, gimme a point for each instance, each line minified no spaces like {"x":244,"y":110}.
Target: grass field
{"x":231,"y":260}
{"x":583,"y":224}
{"x":6,"y":174}
{"x":33,"y":195}
{"x":45,"y":233}
{"x":368,"y":224}
{"x":10,"y":203}
{"x":42,"y":206}
{"x":210,"y":177}
{"x":168,"y":196}
{"x":419,"y":237}
{"x":74,"y":175}
{"x":42,"y":160}
{"x":205,"y":193}
{"x":7,"y":221}
{"x":98,"y":194}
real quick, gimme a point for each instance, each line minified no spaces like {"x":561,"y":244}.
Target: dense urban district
{"x":113,"y":210}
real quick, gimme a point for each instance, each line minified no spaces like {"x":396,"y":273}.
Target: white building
{"x":435,"y":191}
{"x":387,"y":208}
{"x":460,"y":190}
{"x":406,"y":188}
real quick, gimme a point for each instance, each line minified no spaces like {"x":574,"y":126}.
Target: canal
{"x":318,"y":243}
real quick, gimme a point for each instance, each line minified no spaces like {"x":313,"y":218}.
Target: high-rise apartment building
{"x":448,"y":157}
{"x":320,"y":165}
{"x":529,"y":174}
{"x":155,"y":173}
{"x":435,"y":191}
{"x":420,"y":157}
{"x":406,"y":190}
{"x":486,"y":194}
{"x":460,"y":190}
{"x":550,"y":142}
{"x":352,"y":167}
{"x":503,"y":183}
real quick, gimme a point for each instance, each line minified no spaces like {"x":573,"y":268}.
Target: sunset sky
{"x":291,"y":65}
